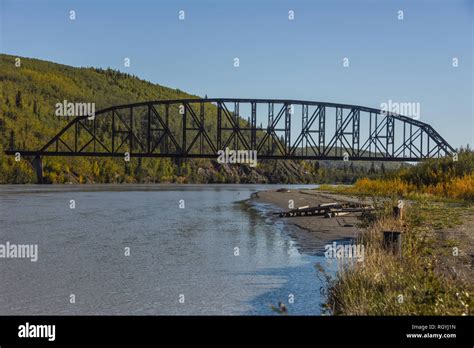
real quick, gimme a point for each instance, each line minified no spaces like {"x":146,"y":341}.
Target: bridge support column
{"x":37,"y":164}
{"x":179,"y":162}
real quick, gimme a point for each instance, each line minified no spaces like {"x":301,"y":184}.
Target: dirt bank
{"x":312,"y":232}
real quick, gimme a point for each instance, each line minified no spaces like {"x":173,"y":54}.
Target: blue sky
{"x":405,"y":61}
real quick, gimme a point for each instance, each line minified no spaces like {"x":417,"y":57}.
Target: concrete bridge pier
{"x":37,"y":164}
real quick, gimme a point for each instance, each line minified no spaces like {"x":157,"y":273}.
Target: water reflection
{"x":173,"y":251}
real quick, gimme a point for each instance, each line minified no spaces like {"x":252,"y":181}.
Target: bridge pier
{"x":37,"y":164}
{"x":179,"y":162}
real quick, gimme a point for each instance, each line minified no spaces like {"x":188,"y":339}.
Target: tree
{"x":18,"y":99}
{"x":316,"y":166}
{"x":372,"y":168}
{"x":12,"y":140}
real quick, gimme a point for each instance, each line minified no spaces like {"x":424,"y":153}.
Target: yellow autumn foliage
{"x":459,"y":188}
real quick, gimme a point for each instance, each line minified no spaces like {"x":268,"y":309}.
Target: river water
{"x":151,"y":249}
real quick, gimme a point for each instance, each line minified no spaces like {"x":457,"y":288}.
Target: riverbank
{"x":433,"y":275}
{"x":312,"y":233}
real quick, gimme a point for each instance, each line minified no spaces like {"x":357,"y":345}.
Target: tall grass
{"x":385,"y":284}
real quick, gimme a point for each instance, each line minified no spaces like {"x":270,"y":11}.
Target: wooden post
{"x":392,"y":241}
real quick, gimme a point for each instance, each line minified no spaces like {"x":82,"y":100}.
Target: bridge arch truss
{"x":276,"y":129}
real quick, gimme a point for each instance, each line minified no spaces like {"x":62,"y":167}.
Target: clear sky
{"x":407,"y":60}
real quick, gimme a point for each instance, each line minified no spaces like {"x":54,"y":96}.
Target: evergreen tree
{"x":18,"y":99}
{"x":316,"y":166}
{"x":372,"y":168}
{"x":12,"y":140}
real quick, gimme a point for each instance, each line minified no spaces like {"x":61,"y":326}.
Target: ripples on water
{"x":172,"y":251}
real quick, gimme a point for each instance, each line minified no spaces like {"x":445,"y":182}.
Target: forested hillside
{"x":30,"y":91}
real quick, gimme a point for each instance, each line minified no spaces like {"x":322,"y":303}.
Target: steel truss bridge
{"x":199,"y":128}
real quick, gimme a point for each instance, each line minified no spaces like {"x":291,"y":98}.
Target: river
{"x":151,"y":250}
